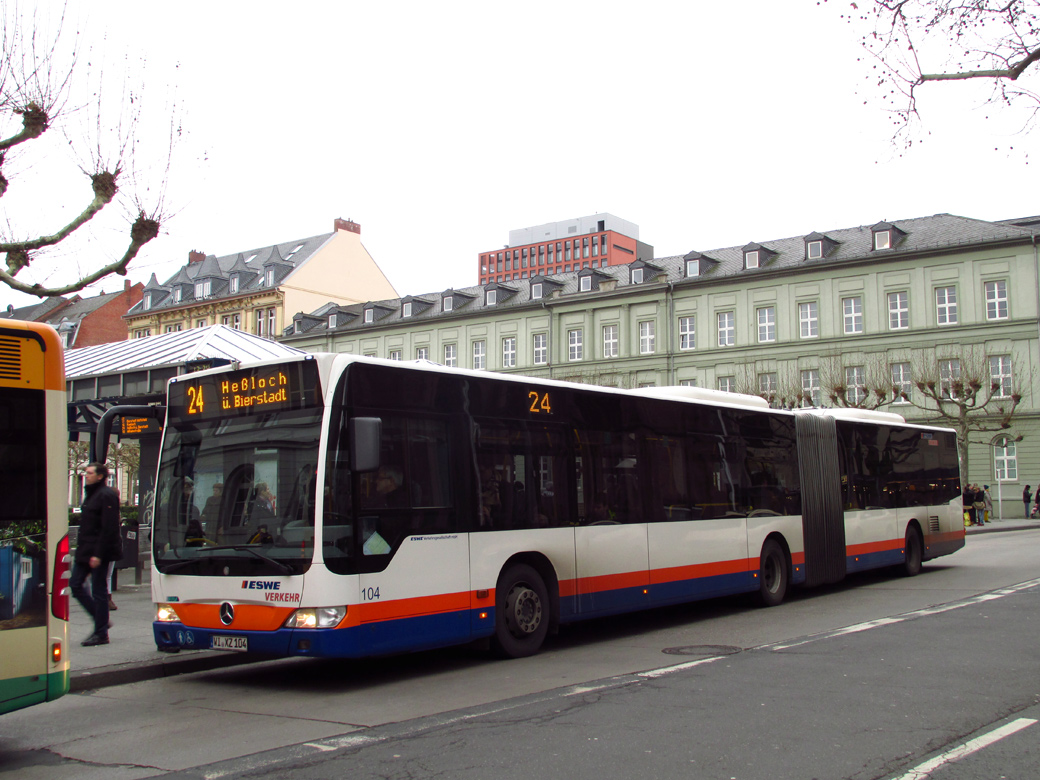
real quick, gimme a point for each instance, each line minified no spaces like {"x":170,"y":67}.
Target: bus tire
{"x":914,"y":547}
{"x":521,"y":612}
{"x":772,"y":574}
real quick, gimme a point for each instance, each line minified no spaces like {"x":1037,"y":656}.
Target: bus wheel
{"x":521,"y":612}
{"x":914,"y":552}
{"x":772,"y":574}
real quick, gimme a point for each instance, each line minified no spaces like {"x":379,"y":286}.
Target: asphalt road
{"x":867,"y":680}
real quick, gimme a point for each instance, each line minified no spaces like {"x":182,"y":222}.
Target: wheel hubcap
{"x":525,"y":610}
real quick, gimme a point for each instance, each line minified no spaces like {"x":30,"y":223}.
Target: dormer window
{"x":814,"y":250}
{"x":406,"y":309}
{"x":693,"y":268}
{"x":177,"y":294}
{"x":637,"y":276}
{"x":751,"y":259}
{"x":202,"y":288}
{"x":883,"y":239}
{"x":269,"y":277}
{"x":332,"y":320}
{"x":491,"y":297}
{"x":536,"y":291}
{"x":585,"y":283}
{"x":370,"y":316}
{"x":446,"y":303}
{"x":885,"y":235}
{"x":146,"y":302}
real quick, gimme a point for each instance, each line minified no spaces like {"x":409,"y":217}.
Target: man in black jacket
{"x":98,"y":543}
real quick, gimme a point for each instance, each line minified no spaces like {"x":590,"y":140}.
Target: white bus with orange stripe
{"x":34,"y":542}
{"x":334,"y":505}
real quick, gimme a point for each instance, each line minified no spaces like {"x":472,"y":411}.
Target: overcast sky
{"x":440,"y":127}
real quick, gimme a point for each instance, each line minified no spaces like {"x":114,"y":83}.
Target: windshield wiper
{"x":284,"y":568}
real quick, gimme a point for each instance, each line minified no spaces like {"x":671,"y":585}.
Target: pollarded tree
{"x":40,"y":80}
{"x":918,"y":42}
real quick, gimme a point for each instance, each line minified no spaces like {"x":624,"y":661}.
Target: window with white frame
{"x":767,"y":384}
{"x":728,"y":384}
{"x":610,"y":341}
{"x":406,"y":309}
{"x":451,"y":358}
{"x":949,"y":378}
{"x":814,"y":250}
{"x":687,"y":333}
{"x":727,"y":328}
{"x":647,"y":337}
{"x":491,"y":297}
{"x":271,"y":320}
{"x":422,"y":353}
{"x":585,"y":284}
{"x":175,"y":328}
{"x":852,"y":313}
{"x":693,"y":268}
{"x":536,"y":291}
{"x":574,"y":344}
{"x":766,"y":324}
{"x":541,"y":349}
{"x":855,"y":385}
{"x":146,"y":301}
{"x":1000,"y":375}
{"x":395,"y":354}
{"x":200,"y":323}
{"x":687,"y":383}
{"x":202,"y":288}
{"x":480,"y":355}
{"x":808,"y":320}
{"x":370,"y":316}
{"x":447,"y":303}
{"x":260,"y":320}
{"x":176,"y":294}
{"x":143,"y":333}
{"x":509,"y":352}
{"x":751,"y":259}
{"x":902,"y":385}
{"x":996,"y":300}
{"x":811,"y":386}
{"x":637,"y":276}
{"x":269,"y":277}
{"x":1005,"y":460}
{"x":233,"y":284}
{"x":898,"y":310}
{"x":946,"y":305}
{"x":883,"y":239}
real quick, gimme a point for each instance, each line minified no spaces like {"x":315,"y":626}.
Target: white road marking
{"x":922,"y":771}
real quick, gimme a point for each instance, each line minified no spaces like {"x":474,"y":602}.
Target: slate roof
{"x":216,"y":341}
{"x":220,"y":268}
{"x":854,"y":245}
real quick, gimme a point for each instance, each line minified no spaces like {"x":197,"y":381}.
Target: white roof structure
{"x":171,"y":349}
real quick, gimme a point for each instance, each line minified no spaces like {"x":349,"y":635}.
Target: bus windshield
{"x":235,"y":495}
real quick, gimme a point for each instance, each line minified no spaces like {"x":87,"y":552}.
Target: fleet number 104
{"x":370,"y":594}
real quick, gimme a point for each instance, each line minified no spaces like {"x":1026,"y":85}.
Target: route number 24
{"x":540,"y":403}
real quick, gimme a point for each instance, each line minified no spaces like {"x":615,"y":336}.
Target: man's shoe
{"x":95,"y":639}
{"x":111,"y":605}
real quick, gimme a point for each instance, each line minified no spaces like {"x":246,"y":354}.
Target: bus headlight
{"x":164,"y":613}
{"x":319,"y":617}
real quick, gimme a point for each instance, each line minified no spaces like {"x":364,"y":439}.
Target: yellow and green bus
{"x":34,"y":543}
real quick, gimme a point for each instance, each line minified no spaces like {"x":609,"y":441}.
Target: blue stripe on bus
{"x":875,"y":560}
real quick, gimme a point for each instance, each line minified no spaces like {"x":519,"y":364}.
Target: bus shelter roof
{"x":168,"y":349}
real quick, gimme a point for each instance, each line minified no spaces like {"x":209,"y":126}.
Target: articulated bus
{"x":34,"y":543}
{"x":336,"y":505}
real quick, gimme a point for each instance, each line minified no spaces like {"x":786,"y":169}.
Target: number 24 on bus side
{"x":540,"y":403}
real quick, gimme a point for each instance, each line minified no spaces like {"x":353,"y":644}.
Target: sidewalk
{"x":131,"y":656}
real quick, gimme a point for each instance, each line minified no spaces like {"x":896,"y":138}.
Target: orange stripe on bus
{"x":248,"y":617}
{"x":373,"y":611}
{"x":874,"y":547}
{"x":951,"y":536}
{"x":699,"y":570}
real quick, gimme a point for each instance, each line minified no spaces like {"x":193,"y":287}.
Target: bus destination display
{"x":249,"y":391}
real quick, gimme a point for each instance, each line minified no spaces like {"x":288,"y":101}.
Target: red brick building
{"x":84,"y":322}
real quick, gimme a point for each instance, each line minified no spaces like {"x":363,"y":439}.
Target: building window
{"x":1000,"y":375}
{"x":406,"y":309}
{"x":996,"y":301}
{"x":898,"y":311}
{"x":541,"y":348}
{"x":855,"y":385}
{"x":450,"y":356}
{"x":852,"y":309}
{"x":174,"y":328}
{"x":536,"y":291}
{"x":811,"y":386}
{"x":767,"y":384}
{"x":509,"y":352}
{"x":395,"y":354}
{"x":271,"y":319}
{"x":269,"y":277}
{"x":687,"y":383}
{"x":693,"y":268}
{"x":260,"y":319}
{"x":422,"y":353}
{"x":949,"y":378}
{"x":946,"y":305}
{"x":370,"y":316}
{"x":200,"y":324}
{"x":814,"y":251}
{"x":1005,"y":460}
{"x":446,"y":303}
{"x":637,"y":276}
{"x":233,"y":284}
{"x":883,"y":239}
{"x":177,"y":294}
{"x":767,"y":324}
{"x":480,"y":355}
{"x":687,"y":333}
{"x":647,"y":339}
{"x":585,"y":283}
{"x":808,"y":320}
{"x":727,"y":329}
{"x":751,"y":259}
{"x":610,"y":341}
{"x":902,"y":386}
{"x":491,"y":297}
{"x":143,"y":333}
{"x":202,"y":288}
{"x":574,"y":344}
{"x":728,"y":384}
{"x":146,"y":301}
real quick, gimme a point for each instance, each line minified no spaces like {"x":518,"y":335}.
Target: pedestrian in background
{"x":1027,"y":497}
{"x":97,"y":544}
{"x":989,"y":504}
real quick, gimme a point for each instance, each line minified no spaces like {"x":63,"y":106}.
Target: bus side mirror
{"x":364,"y":435}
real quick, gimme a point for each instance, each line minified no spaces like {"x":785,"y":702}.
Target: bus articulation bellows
{"x":334,"y":505}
